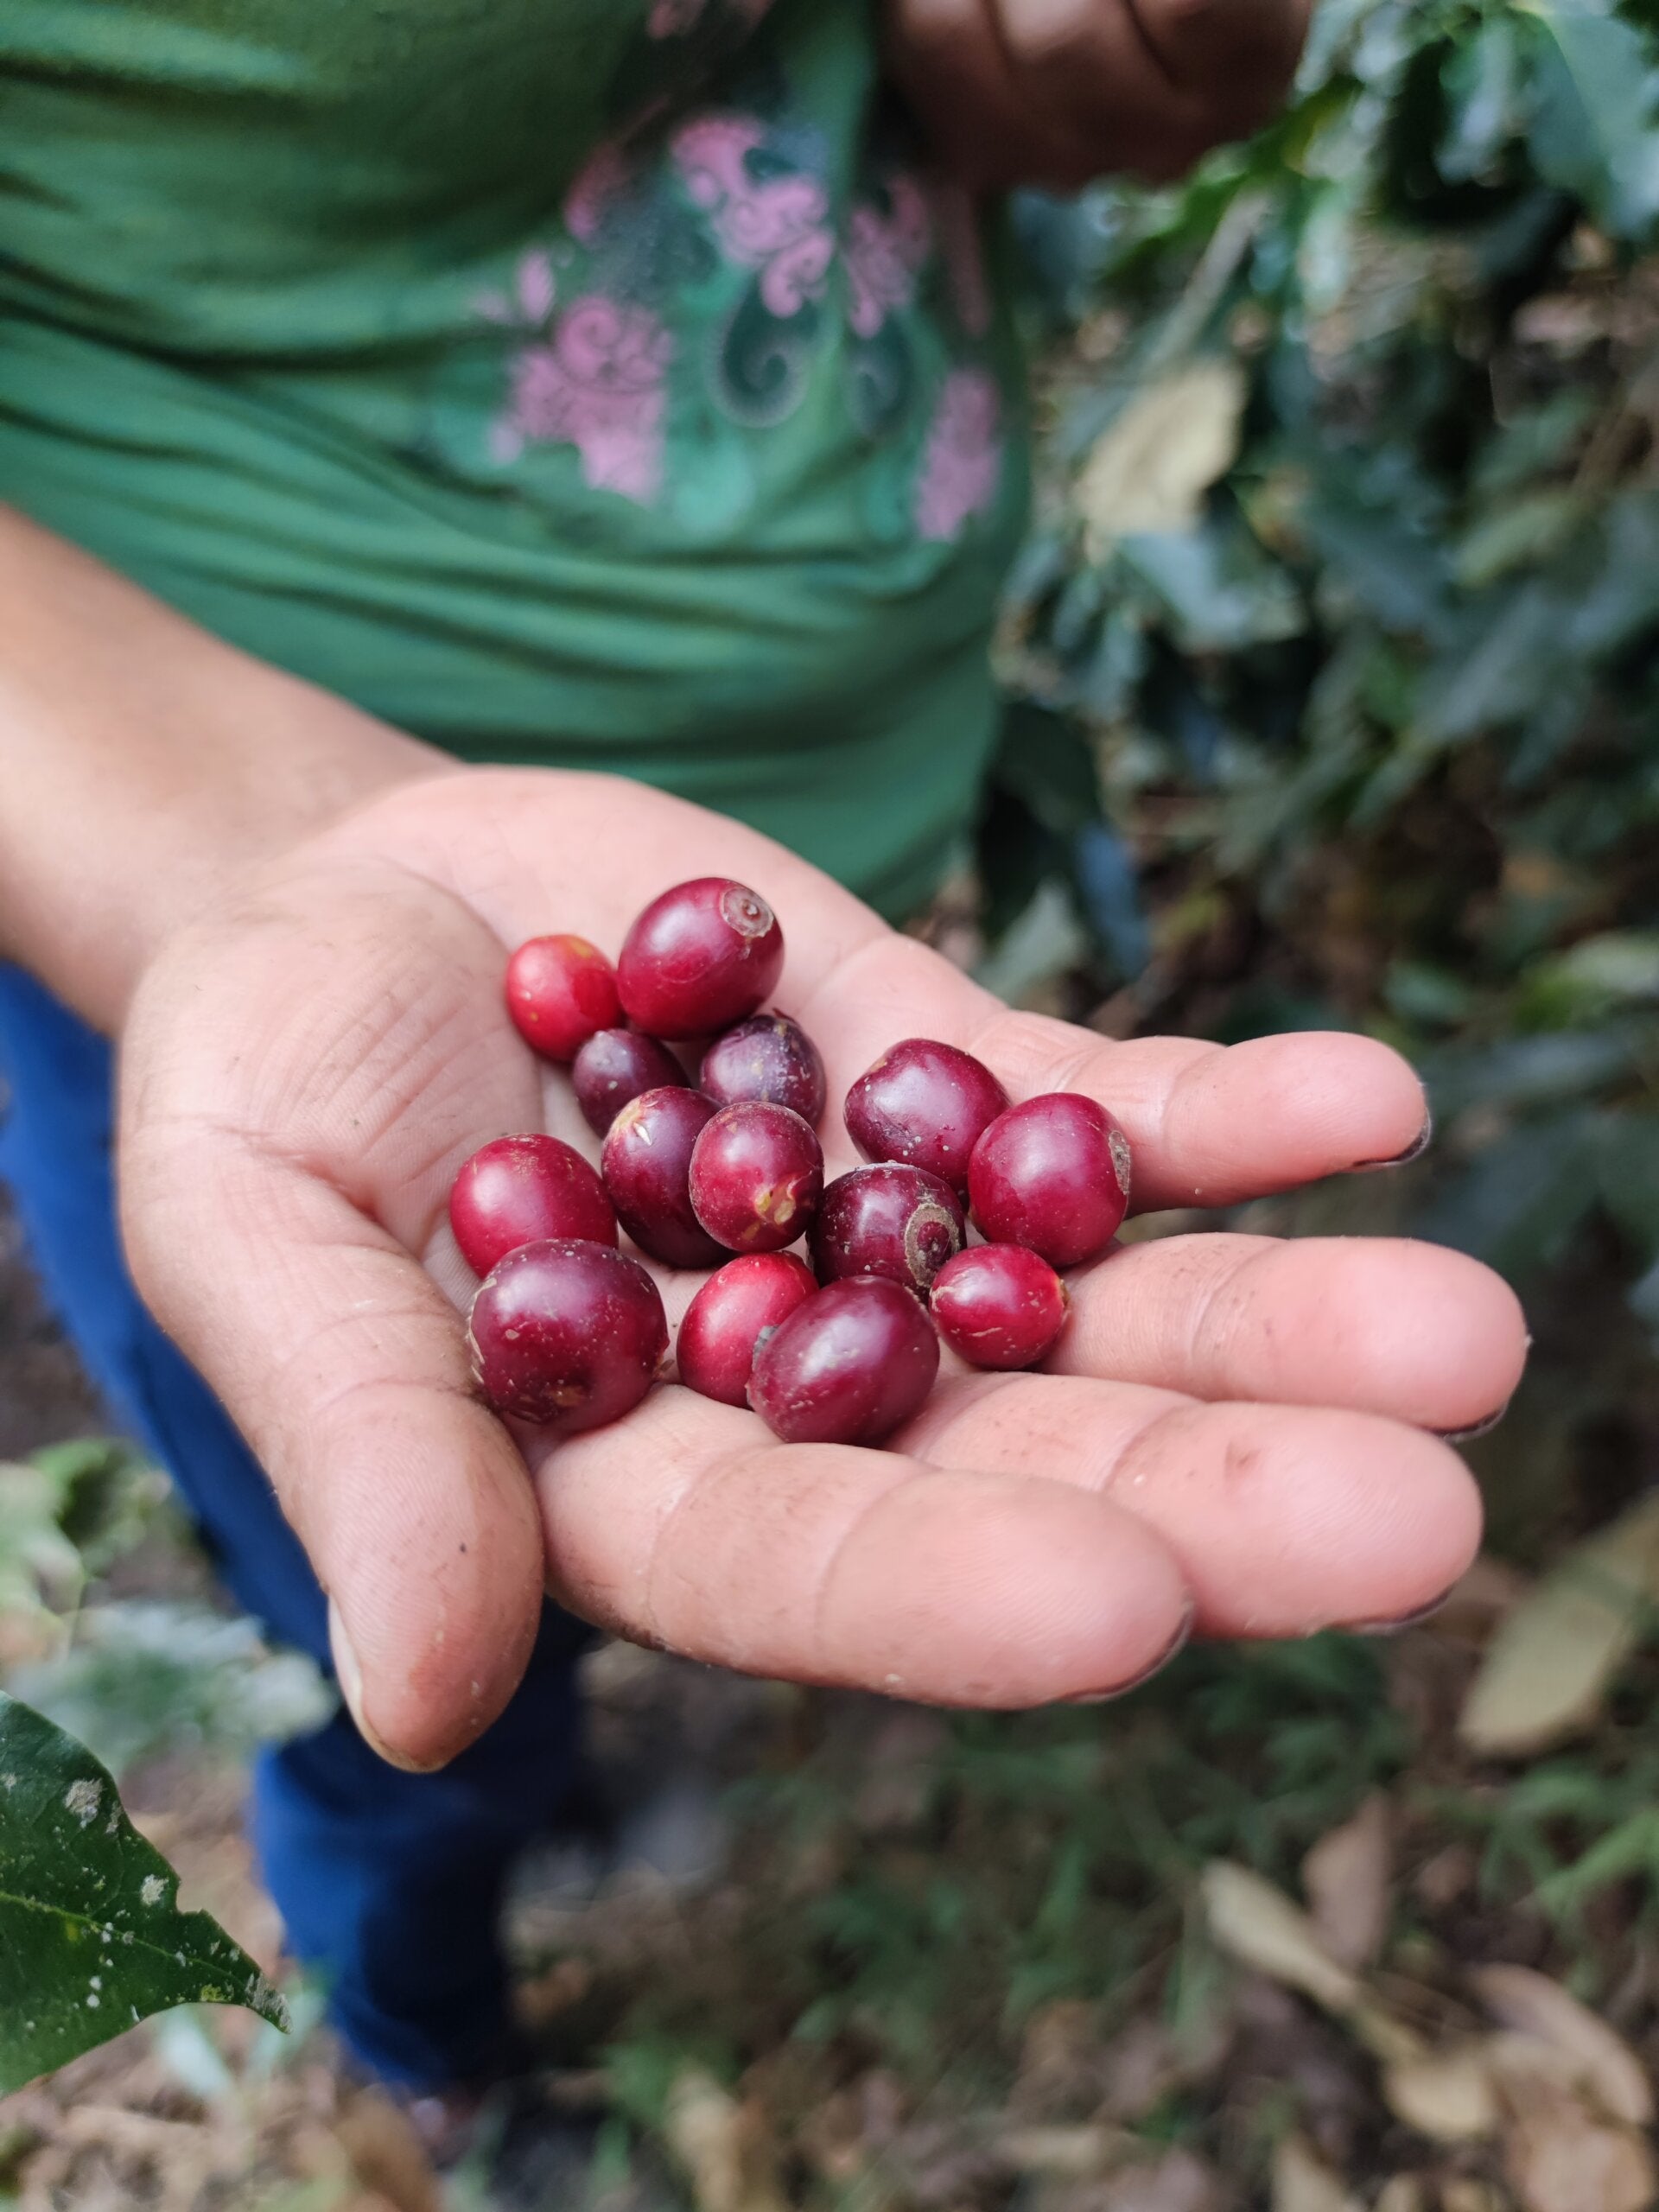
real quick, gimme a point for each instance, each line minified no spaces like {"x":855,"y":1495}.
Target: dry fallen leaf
{"x":1603,"y":2063}
{"x":1464,"y":2193}
{"x":1548,"y":1666}
{"x":387,"y":2155}
{"x":1077,"y":2153}
{"x":1303,"y":2182}
{"x":1401,"y":2193}
{"x":721,"y":2146}
{"x":1150,"y":466}
{"x":1489,"y":1589}
{"x":1559,"y":2158}
{"x":1448,"y":2095}
{"x":1346,"y":1877}
{"x":1260,"y":1927}
{"x":1176,"y":2182}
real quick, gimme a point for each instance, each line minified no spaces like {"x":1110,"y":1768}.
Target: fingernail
{"x":1480,"y":1428}
{"x":349,"y":1675}
{"x":1177,"y":1644}
{"x":1403,"y":1621}
{"x":1414,"y":1150}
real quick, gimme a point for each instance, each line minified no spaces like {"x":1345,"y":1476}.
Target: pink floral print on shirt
{"x":962,"y":462}
{"x":776,"y":225}
{"x":600,"y":383}
{"x":885,"y":253}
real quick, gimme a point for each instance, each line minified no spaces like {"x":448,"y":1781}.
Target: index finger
{"x":1209,"y":1125}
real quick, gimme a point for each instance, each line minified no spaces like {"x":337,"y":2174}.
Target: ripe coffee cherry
{"x":847,"y":1367}
{"x":560,"y":990}
{"x":767,"y":1057}
{"x":757,"y":1175}
{"x":1052,"y":1173}
{"x":889,"y":1220}
{"x":737,"y":1306}
{"x":615,"y":1065}
{"x":646,"y":1164}
{"x":927,"y":1104}
{"x":521,"y":1190}
{"x":699,"y":958}
{"x":999,"y":1306}
{"x":566,"y":1334}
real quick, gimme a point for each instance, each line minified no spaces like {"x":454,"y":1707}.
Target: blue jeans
{"x":390,"y":1883}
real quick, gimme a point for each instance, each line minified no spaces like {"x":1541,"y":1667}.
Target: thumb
{"x":346,"y":1369}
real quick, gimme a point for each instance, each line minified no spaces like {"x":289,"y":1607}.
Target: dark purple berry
{"x":1052,"y":1173}
{"x":927,"y":1104}
{"x":889,"y":1220}
{"x":699,"y":958}
{"x":521,"y":1191}
{"x":617,"y":1064}
{"x":737,"y":1306}
{"x":849,"y":1366}
{"x":566,"y":1334}
{"x":768,"y":1057}
{"x":646,"y":1164}
{"x":757,"y":1175}
{"x":999,"y":1306}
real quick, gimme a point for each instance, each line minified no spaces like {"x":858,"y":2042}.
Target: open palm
{"x":1231,"y":1434}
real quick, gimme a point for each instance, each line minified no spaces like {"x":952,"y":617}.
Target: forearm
{"x":144,"y":765}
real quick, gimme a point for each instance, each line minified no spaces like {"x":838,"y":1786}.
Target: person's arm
{"x":1058,"y":92}
{"x":144,"y":766}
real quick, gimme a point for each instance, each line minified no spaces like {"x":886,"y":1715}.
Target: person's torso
{"x":589,"y":379}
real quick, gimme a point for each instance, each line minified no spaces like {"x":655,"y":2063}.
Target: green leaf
{"x":1219,"y":592}
{"x":1483,"y":83}
{"x":1592,"y":980}
{"x":1593,"y":130}
{"x":1518,"y":1203}
{"x":1629,"y":1178}
{"x":39,"y":1568}
{"x":1390,"y":565}
{"x":1533,"y":1071}
{"x":1044,"y":761}
{"x":1512,"y":536}
{"x":145,"y":1676}
{"x":90,"y":1936}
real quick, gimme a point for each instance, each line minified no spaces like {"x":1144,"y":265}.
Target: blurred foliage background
{"x":1335,"y":650}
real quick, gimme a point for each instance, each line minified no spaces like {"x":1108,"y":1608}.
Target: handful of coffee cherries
{"x":567,"y":1332}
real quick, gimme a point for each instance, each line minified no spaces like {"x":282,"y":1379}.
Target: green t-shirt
{"x":597,"y":383}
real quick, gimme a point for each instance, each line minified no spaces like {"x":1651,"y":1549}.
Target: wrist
{"x":146,"y":768}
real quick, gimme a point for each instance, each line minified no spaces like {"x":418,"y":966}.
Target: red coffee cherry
{"x":849,"y":1366}
{"x":617,"y":1064}
{"x":927,"y":1104}
{"x":740,"y":1304}
{"x":757,"y":1175}
{"x":699,"y":958}
{"x":768,"y":1057}
{"x":999,"y":1306}
{"x":560,"y":990}
{"x":646,"y":1164}
{"x":1052,"y":1173}
{"x":890,"y":1220}
{"x":567,"y":1335}
{"x":521,"y":1190}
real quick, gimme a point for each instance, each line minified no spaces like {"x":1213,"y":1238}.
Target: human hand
{"x":1231,"y":1432}
{"x":1058,"y":92}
